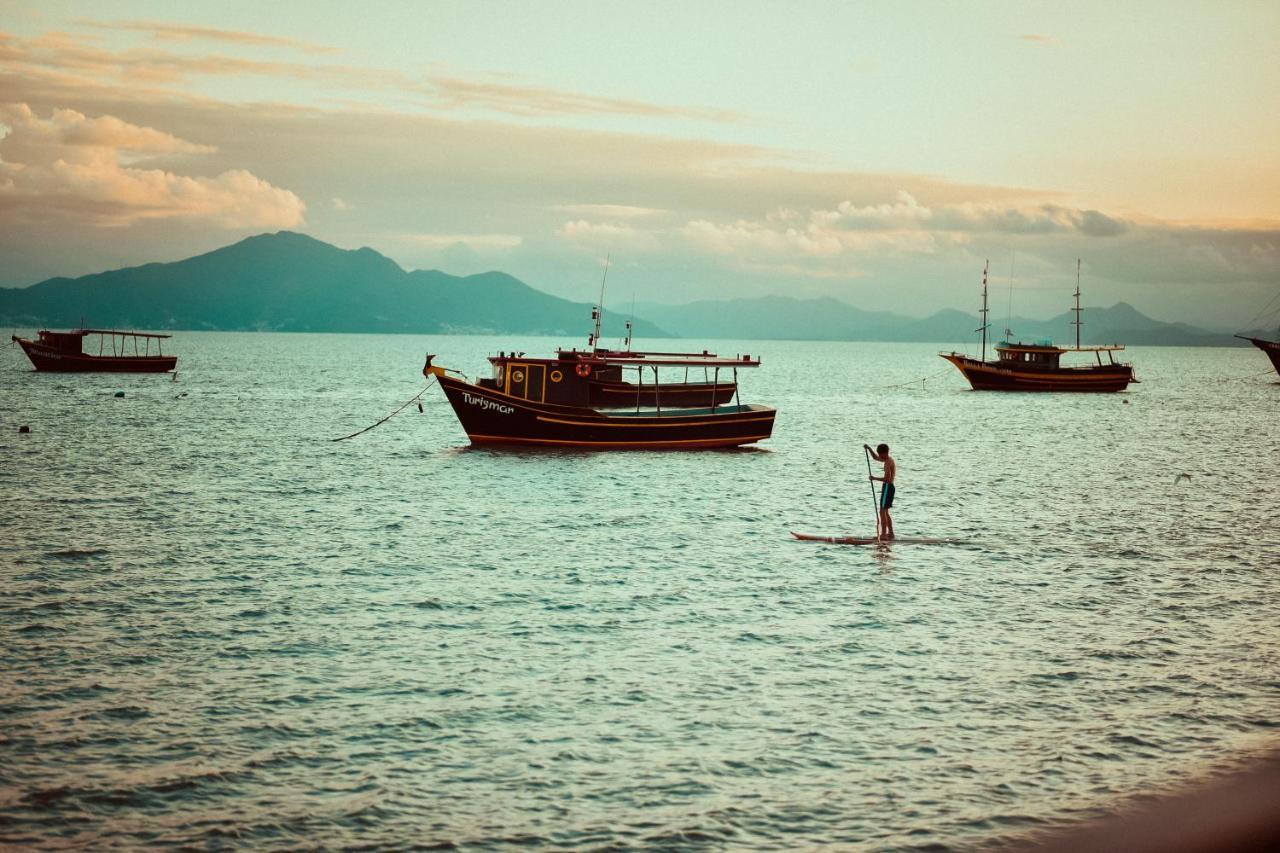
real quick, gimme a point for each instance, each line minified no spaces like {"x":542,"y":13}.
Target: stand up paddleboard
{"x":861,"y":540}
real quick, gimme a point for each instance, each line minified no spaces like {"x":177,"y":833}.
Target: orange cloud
{"x":63,"y":52}
{"x":530,"y":100}
{"x":174,"y":32}
{"x":70,"y":166}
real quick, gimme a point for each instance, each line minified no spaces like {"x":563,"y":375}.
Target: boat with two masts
{"x":118,"y":352}
{"x":548,"y":402}
{"x":1038,"y":366}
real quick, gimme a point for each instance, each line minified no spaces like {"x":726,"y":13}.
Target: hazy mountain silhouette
{"x":292,"y":282}
{"x":785,"y":318}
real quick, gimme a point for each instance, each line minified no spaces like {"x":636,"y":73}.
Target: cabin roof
{"x":1020,"y":347}
{"x":575,"y":352}
{"x":83,"y":332}
{"x":637,"y":359}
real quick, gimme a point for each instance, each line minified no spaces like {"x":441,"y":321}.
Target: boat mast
{"x":985,"y":324}
{"x":599,"y":309}
{"x":1076,"y":321}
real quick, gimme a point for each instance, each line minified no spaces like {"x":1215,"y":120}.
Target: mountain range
{"x":289,"y":282}
{"x":827,"y":319}
{"x":292,"y":282}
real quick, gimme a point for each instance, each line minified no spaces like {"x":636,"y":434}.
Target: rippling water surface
{"x":219,"y":627}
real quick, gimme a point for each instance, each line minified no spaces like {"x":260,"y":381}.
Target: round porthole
{"x":556,"y":376}
{"x":517,"y":376}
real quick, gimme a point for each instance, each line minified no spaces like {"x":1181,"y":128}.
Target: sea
{"x":220,"y":628}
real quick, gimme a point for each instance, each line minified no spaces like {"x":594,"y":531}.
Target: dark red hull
{"x":993,"y":376}
{"x":1271,"y":348}
{"x":46,"y":359}
{"x":492,"y":417}
{"x":619,"y":395}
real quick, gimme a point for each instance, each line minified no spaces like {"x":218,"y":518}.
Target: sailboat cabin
{"x":1043,"y":354}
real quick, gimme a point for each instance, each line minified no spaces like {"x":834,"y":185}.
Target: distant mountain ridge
{"x":292,"y":282}
{"x":823,"y":319}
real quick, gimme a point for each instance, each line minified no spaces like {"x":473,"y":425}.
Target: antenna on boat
{"x":1008,"y":317}
{"x":629,"y":319}
{"x":599,"y":309}
{"x":1076,"y":321}
{"x":985,"y":324}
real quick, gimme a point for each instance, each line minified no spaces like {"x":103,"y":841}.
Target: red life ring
{"x":583,"y":370}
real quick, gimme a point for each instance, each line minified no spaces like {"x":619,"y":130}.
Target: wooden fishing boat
{"x":118,"y":352}
{"x":1038,"y":366}
{"x":547,"y":402}
{"x":1271,"y":348}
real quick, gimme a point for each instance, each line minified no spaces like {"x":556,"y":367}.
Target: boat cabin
{"x":1045,"y":354}
{"x":72,"y":342}
{"x":567,"y":380}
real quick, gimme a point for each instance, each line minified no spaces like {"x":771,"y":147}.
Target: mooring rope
{"x":407,"y":403}
{"x":923,"y":380}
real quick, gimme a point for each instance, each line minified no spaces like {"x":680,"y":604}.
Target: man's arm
{"x":876,"y":457}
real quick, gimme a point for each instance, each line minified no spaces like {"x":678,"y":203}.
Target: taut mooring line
{"x":407,"y":403}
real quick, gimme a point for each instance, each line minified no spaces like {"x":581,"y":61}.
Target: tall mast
{"x":1076,"y":321}
{"x":985,"y":325}
{"x":599,"y":309}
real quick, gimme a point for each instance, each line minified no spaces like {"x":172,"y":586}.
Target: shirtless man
{"x":881,"y":455}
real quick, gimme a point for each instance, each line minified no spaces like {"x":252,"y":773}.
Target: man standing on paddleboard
{"x":881,"y":455}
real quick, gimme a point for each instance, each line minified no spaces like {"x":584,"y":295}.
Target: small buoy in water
{"x":1126,"y":402}
{"x":119,"y":393}
{"x":24,"y":429}
{"x":419,"y":408}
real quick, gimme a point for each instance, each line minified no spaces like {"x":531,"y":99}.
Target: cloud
{"x":608,"y":236}
{"x":73,"y":137}
{"x":73,"y":167}
{"x":906,"y":213}
{"x":471,"y":241}
{"x":844,"y":240}
{"x":904,"y":225}
{"x":68,"y":53}
{"x":616,"y":211}
{"x":538,"y":101}
{"x":175,"y":32}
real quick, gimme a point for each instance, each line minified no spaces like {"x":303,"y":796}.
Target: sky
{"x":880,"y":153}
